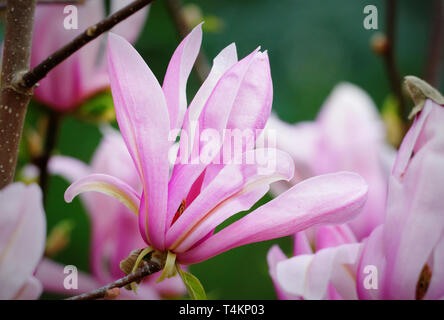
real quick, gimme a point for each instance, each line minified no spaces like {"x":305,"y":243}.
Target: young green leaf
{"x":193,"y":285}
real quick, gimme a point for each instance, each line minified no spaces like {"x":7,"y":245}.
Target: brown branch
{"x":14,"y":100}
{"x":149,"y":268}
{"x":17,"y":80}
{"x":174,"y":8}
{"x":389,"y":57}
{"x":51,"y":137}
{"x":30,"y":78}
{"x":435,"y":50}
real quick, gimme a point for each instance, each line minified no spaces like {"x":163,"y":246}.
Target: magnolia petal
{"x":348,"y":109}
{"x":300,"y":141}
{"x":131,"y":27}
{"x":252,"y":105}
{"x":78,"y":76}
{"x":250,"y":108}
{"x":414,"y":222}
{"x":182,"y":172}
{"x":309,"y":276}
{"x":108,"y":185}
{"x":236,"y":188}
{"x":436,"y":286}
{"x":52,"y":277}
{"x":214,"y":116}
{"x":301,"y":244}
{"x":69,"y":168}
{"x":22,"y":236}
{"x":274,"y":256}
{"x":143,"y":119}
{"x":326,"y":199}
{"x":372,"y":267}
{"x":176,"y":76}
{"x":112,"y":157}
{"x":333,"y":236}
{"x":31,"y":290}
{"x":408,"y":143}
{"x":221,"y":63}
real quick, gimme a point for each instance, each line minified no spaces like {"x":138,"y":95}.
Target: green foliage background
{"x":312,"y":45}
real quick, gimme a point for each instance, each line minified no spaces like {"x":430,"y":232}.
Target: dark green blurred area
{"x":312,"y":46}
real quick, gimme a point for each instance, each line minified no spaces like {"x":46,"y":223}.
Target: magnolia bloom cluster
{"x":179,"y":208}
{"x":402,"y":258}
{"x":22,"y":241}
{"x":114,"y":226}
{"x":347,"y":134}
{"x":84,"y":73}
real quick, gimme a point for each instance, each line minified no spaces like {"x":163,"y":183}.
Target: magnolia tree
{"x":364,"y":224}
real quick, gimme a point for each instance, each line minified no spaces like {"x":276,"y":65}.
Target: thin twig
{"x":435,"y":50}
{"x":30,"y":78}
{"x":52,"y":133}
{"x":149,"y":268}
{"x":14,"y":100}
{"x":174,"y":7}
{"x":389,"y":57}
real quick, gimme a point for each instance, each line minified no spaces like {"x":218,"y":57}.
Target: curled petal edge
{"x":108,"y":185}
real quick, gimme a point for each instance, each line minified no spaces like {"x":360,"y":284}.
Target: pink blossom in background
{"x":22,"y":241}
{"x":114,"y":227}
{"x":179,"y":208}
{"x":347,"y":134}
{"x":84,"y":73}
{"x":407,"y":250}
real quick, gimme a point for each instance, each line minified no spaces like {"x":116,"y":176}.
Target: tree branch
{"x":17,"y":80}
{"x":389,"y":57}
{"x":174,"y":7}
{"x":30,"y":78}
{"x":13,"y":99}
{"x":149,"y":268}
{"x":435,"y":50}
{"x":51,"y":137}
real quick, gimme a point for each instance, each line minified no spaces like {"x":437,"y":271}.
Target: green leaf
{"x":193,"y":285}
{"x":98,"y":109}
{"x":393,"y":123}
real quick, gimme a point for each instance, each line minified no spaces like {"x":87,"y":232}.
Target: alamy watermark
{"x":371,"y":19}
{"x":371,"y":278}
{"x":71,"y":20}
{"x":71,"y":280}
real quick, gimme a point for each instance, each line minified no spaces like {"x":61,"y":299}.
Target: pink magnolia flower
{"x":404,"y":257}
{"x":114,"y":227}
{"x":408,"y":250}
{"x":22,"y":240}
{"x":84,"y":73}
{"x":179,"y":210}
{"x":348,"y":134}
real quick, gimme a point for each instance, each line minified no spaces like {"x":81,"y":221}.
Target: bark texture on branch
{"x":41,"y":70}
{"x":149,"y":268}
{"x":18,"y":80}
{"x":13,"y":97}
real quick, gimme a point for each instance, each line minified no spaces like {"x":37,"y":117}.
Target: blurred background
{"x":312,"y":45}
